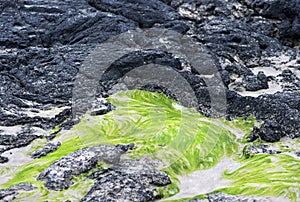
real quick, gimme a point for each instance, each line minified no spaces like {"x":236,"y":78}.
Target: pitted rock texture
{"x":129,"y":180}
{"x":285,"y":12}
{"x":39,"y":56}
{"x":7,"y":195}
{"x":44,"y":43}
{"x":280,"y":113}
{"x":50,"y":147}
{"x":261,"y":149}
{"x":58,"y":176}
{"x":286,"y":147}
{"x":16,"y":139}
{"x":100,"y":107}
{"x":9,"y":141}
{"x":146,"y":13}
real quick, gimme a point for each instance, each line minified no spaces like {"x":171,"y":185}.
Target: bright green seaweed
{"x":272,"y":175}
{"x":180,"y":137}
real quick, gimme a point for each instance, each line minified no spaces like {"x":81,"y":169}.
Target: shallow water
{"x":205,"y":181}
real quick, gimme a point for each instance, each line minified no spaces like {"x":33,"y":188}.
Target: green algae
{"x":262,"y":175}
{"x":266,"y":175}
{"x":77,"y":191}
{"x":37,"y":144}
{"x":81,"y":186}
{"x":30,"y":171}
{"x":244,"y":124}
{"x":181,"y":138}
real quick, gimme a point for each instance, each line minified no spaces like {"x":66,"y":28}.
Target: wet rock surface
{"x":128,"y":180}
{"x":156,"y":12}
{"x":19,"y":137}
{"x":10,"y":194}
{"x":39,"y":62}
{"x":50,"y":147}
{"x":44,"y":43}
{"x":100,"y":107}
{"x":286,"y":12}
{"x":255,"y":46}
{"x":262,"y":149}
{"x":58,"y":176}
{"x":285,"y":147}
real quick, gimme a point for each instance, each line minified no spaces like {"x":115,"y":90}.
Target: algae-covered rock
{"x":58,"y":176}
{"x":50,"y":147}
{"x":12,"y":192}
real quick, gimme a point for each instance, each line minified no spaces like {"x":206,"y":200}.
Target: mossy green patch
{"x":30,"y":171}
{"x":77,"y":191}
{"x":159,"y":127}
{"x":244,"y":124}
{"x":181,"y":138}
{"x":263,"y":174}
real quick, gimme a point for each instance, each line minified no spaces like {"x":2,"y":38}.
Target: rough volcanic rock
{"x":58,"y":176}
{"x":100,"y":107}
{"x":279,"y":112}
{"x":146,"y":13}
{"x":42,"y":46}
{"x":129,"y":180}
{"x":44,"y":43}
{"x":3,"y":159}
{"x":50,"y":147}
{"x":261,"y":149}
{"x":15,"y":139}
{"x":286,"y":12}
{"x":287,"y":147}
{"x":255,"y":83}
{"x":7,"y":195}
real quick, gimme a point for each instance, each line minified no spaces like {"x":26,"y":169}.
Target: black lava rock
{"x":3,"y":159}
{"x":10,"y":194}
{"x":129,"y":180}
{"x":50,"y":147}
{"x":58,"y":176}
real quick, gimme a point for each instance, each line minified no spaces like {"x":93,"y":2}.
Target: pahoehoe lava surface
{"x":254,"y":44}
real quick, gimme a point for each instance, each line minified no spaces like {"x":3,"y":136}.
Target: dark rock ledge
{"x":128,"y":180}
